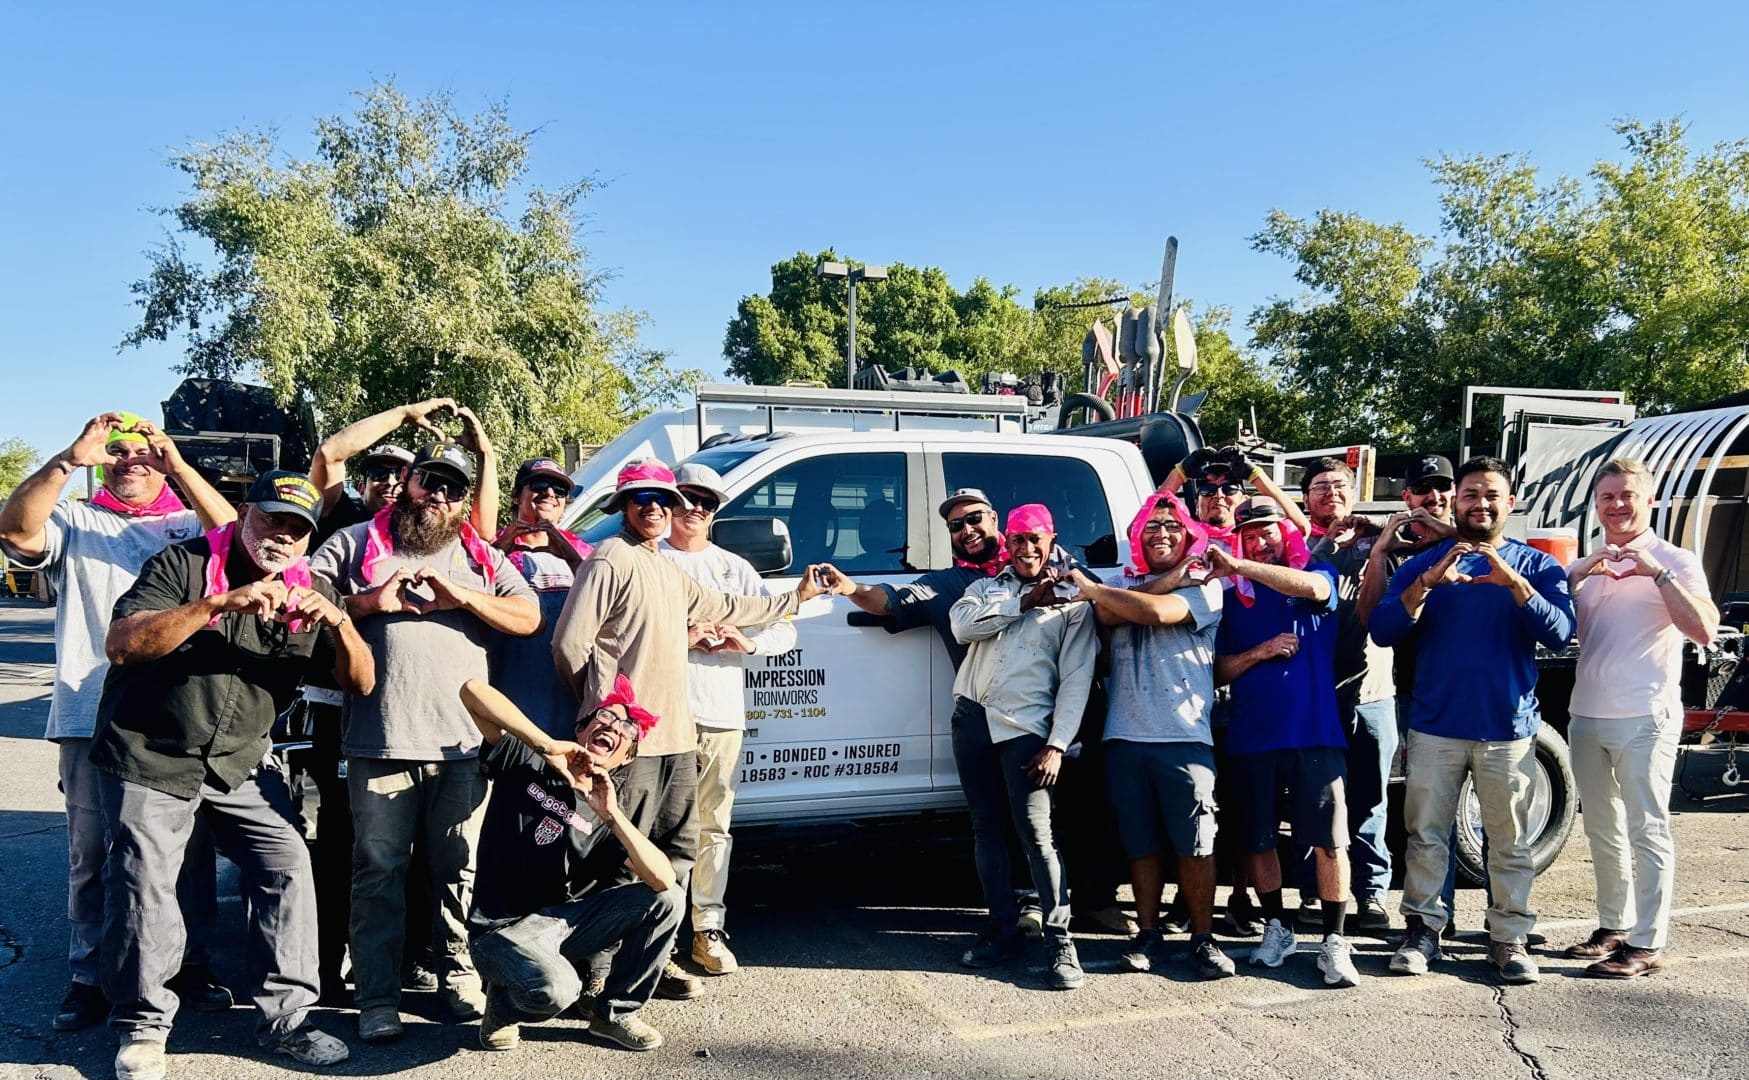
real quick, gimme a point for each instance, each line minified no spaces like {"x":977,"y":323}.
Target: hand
{"x":446,"y":595}
{"x":598,"y":793}
{"x":311,"y":606}
{"x":1445,"y":572}
{"x":811,"y":584}
{"x":420,"y":412}
{"x":1498,"y":572}
{"x":1598,"y":563}
{"x":262,"y":598}
{"x":1196,"y":463}
{"x":1349,"y":528}
{"x":568,"y":758}
{"x":1429,"y":526}
{"x":1043,"y":593}
{"x":837,"y":581}
{"x":90,"y":447}
{"x":507,"y":536}
{"x":390,"y":598}
{"x":473,"y":432}
{"x":733,"y":640}
{"x":1086,"y":588}
{"x":1221,"y":562}
{"x":1279,"y":647}
{"x":1239,"y":467}
{"x":163,"y":455}
{"x":1640,"y":563}
{"x":1042,"y":770}
{"x":698,"y":636}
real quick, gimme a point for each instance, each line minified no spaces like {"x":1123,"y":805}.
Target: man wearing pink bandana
{"x":208,"y":646}
{"x":91,"y":553}
{"x":428,"y":593}
{"x":551,"y":888}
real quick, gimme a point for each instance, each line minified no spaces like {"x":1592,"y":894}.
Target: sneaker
{"x":992,"y":949}
{"x":379,"y":1023}
{"x":199,"y":990}
{"x":1208,"y":961}
{"x":676,"y":984}
{"x":1278,"y":944}
{"x":1371,"y":917}
{"x":1310,"y":915}
{"x":1420,"y":949}
{"x":309,"y":1045}
{"x":419,"y":979}
{"x":1139,"y":954}
{"x":497,"y":1030}
{"x":1243,"y":918}
{"x":141,"y":1057}
{"x":1031,"y":922}
{"x":83,"y":1006}
{"x":710,"y":951}
{"x":1063,"y":969}
{"x":1176,"y":918}
{"x":628,"y":1031}
{"x":1514,"y":962}
{"x":1336,"y":961}
{"x":1602,"y":943}
{"x":464,"y":999}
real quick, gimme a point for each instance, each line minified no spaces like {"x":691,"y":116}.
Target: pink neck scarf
{"x":219,"y":545}
{"x":379,"y":544}
{"x":1196,"y":533}
{"x":1298,"y":555}
{"x":989,"y":567}
{"x":165,"y":503}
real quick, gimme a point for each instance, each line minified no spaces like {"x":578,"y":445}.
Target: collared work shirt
{"x":1032,"y":670}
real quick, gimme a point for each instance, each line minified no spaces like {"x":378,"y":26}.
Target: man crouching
{"x":553,"y":840}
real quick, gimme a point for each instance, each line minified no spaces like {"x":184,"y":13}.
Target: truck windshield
{"x":597,"y":525}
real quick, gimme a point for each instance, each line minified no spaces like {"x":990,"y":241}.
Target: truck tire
{"x":1553,"y":804}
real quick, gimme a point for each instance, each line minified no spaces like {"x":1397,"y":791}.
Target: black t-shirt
{"x":347,"y":511}
{"x":201,"y":712}
{"x":536,"y":841}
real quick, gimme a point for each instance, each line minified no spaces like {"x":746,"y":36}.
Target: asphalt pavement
{"x":849,"y":936}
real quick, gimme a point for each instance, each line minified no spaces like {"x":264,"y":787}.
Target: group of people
{"x":527,"y":749}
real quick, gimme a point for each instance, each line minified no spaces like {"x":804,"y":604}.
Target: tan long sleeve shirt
{"x":627,"y":614}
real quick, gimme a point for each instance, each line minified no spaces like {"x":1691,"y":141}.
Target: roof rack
{"x":781,"y":403}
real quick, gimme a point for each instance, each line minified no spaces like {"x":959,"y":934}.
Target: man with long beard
{"x":91,"y":553}
{"x":428,"y":593}
{"x":1478,"y":605}
{"x":207,"y":647}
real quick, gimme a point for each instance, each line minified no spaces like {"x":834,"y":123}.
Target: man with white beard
{"x":205,"y":649}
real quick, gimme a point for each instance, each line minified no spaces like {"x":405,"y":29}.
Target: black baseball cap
{"x":448,"y":457}
{"x":540,"y":466}
{"x":1430,"y":467}
{"x":389,"y":454}
{"x":281,"y":491}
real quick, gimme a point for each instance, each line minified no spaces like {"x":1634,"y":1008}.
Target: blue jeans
{"x":1372,"y":744}
{"x":997,"y":793}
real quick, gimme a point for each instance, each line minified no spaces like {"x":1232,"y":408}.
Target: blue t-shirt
{"x":1285,"y":704}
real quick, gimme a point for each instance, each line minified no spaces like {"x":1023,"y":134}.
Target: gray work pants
{"x":143,"y":931}
{"x":534,"y":965}
{"x":393,"y":802}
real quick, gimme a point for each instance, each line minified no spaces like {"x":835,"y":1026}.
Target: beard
{"x":134,"y":487}
{"x":424,"y":529}
{"x":268,"y":554}
{"x":985,"y":548}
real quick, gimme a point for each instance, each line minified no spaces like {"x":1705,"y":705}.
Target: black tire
{"x":1554,"y":769}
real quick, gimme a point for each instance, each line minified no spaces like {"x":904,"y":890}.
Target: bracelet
{"x":1664,"y":577}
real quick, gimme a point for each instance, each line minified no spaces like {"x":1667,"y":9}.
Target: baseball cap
{"x":1427,"y":468}
{"x":1258,"y":510}
{"x":539,"y":466}
{"x":447,"y":456}
{"x":281,"y":491}
{"x":703,"y":477}
{"x":963,"y":495}
{"x":389,"y":454}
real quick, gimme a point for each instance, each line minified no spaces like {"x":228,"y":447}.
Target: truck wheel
{"x":1553,"y":802}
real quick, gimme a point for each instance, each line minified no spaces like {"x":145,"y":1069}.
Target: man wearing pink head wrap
{"x":1164,"y":610}
{"x":1018,"y":701}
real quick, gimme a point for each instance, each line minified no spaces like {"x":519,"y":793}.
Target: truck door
{"x":843,"y":718}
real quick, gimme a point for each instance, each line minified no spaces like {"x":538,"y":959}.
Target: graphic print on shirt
{"x":547,"y":831}
{"x":558,"y":810}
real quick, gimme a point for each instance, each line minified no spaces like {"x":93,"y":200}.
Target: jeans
{"x":143,"y":931}
{"x":532,"y":966}
{"x":1372,"y":745}
{"x":1503,"y":773}
{"x":719,"y":774}
{"x":1624,"y":769}
{"x":997,"y":792}
{"x":394,"y":802}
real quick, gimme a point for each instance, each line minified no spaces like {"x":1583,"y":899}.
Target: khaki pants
{"x":719,"y":775}
{"x":1503,"y":773}
{"x":1624,"y":768}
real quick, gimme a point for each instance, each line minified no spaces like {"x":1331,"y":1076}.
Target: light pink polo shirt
{"x":1630,"y":653}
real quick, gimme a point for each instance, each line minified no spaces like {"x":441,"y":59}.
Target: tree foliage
{"x":406,"y":259}
{"x":1637,"y":279}
{"x":17,"y":459}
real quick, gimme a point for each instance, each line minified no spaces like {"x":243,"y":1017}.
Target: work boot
{"x":1371,"y":917}
{"x":1419,"y":950}
{"x":379,"y":1023}
{"x":677,"y":984}
{"x":309,"y":1045}
{"x":628,"y":1031}
{"x":1514,"y":962}
{"x":497,"y":1030}
{"x":200,"y":990}
{"x":1602,"y":942}
{"x":1628,"y":963}
{"x":419,"y":979}
{"x":141,"y":1057}
{"x":710,"y":951}
{"x":83,"y":1006}
{"x":1063,"y":968}
{"x":463,"y":998}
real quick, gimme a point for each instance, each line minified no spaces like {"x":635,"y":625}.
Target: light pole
{"x":853,"y":275}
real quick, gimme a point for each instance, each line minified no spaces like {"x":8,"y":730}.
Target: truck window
{"x":845,"y":509}
{"x":1069,"y":487}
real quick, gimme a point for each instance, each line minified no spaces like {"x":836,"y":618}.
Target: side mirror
{"x":763,"y":542}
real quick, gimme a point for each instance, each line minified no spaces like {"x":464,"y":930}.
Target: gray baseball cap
{"x":703,"y":477}
{"x":963,"y":495}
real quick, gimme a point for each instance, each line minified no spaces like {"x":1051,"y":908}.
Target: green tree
{"x":17,"y":459}
{"x":398,"y":263}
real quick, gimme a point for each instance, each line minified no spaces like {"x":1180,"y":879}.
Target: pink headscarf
{"x":379,"y":545}
{"x":218,"y":544}
{"x":1293,"y":546}
{"x":622,"y":696}
{"x":1030,"y":518}
{"x":1194,"y":529}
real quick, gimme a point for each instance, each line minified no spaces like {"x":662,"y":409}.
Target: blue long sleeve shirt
{"x":1475,"y":663}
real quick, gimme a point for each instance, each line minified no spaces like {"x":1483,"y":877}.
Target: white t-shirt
{"x":714,"y":681}
{"x":90,"y":557}
{"x":1630,"y":653}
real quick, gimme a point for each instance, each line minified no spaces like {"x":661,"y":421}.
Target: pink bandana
{"x":622,"y":695}
{"x":1196,"y":530}
{"x":989,"y":567}
{"x":218,"y":544}
{"x":165,"y":503}
{"x":379,"y":545}
{"x":1298,"y":556}
{"x":1030,"y":518}
{"x":518,"y":554}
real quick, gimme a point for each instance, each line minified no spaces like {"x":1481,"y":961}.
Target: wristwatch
{"x":1664,"y":577}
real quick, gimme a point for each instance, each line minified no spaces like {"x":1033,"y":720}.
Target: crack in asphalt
{"x":34,"y":832}
{"x":11,"y":949}
{"x":1510,"y":1036}
{"x":1724,"y":930}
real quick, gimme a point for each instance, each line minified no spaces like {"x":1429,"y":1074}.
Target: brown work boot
{"x":1628,"y":963}
{"x":710,"y":951}
{"x":1602,"y":942}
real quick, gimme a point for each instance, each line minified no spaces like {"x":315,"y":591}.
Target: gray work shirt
{"x":1162,"y":681}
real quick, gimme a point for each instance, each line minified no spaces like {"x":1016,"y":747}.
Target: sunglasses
{"x":643,"y":499}
{"x":1220,"y":489}
{"x":701,"y":501}
{"x":437,"y":483}
{"x":1423,"y":487}
{"x":544,"y":487}
{"x":376,"y":474}
{"x":976,"y":517}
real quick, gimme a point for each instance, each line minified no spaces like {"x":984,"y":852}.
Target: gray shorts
{"x":1162,"y":792}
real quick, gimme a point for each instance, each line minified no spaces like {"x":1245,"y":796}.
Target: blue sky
{"x":1028,"y":143}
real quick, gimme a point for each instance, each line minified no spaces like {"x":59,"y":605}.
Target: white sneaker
{"x":1277,"y":945}
{"x":141,"y":1057}
{"x":1336,"y":961}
